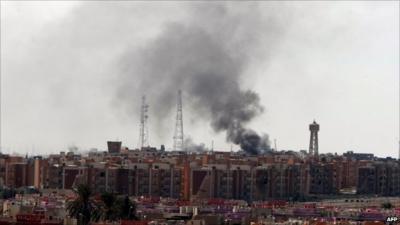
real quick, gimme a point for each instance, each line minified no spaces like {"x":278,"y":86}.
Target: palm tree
{"x":127,"y":209}
{"x":110,"y":211}
{"x":83,"y":207}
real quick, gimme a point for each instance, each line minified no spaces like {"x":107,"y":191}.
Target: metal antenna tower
{"x":178,"y":136}
{"x":144,"y":135}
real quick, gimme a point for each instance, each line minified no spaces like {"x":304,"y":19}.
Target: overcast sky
{"x":335,"y":62}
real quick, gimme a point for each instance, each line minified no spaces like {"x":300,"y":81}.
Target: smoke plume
{"x":191,"y":146}
{"x":205,"y":56}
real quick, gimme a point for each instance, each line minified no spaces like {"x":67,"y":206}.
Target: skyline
{"x":59,"y":76}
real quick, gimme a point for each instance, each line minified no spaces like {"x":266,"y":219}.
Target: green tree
{"x":7,"y":193}
{"x":83,"y":207}
{"x":127,"y":209}
{"x":110,"y":209}
{"x":387,"y":205}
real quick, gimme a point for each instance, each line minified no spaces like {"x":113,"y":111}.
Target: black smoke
{"x":205,"y":56}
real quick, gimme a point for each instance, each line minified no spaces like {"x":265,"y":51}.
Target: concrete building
{"x":279,"y":181}
{"x":16,"y":174}
{"x":366,"y":180}
{"x":324,"y":178}
{"x":379,"y":178}
{"x":241,"y":182}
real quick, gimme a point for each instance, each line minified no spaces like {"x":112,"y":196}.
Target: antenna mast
{"x":144,"y":136}
{"x":178,"y":136}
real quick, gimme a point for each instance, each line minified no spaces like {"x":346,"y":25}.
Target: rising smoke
{"x":205,"y":56}
{"x":191,"y":146}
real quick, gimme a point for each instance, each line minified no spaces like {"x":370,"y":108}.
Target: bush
{"x":387,"y":205}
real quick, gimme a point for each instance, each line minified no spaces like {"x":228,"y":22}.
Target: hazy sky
{"x":335,"y":62}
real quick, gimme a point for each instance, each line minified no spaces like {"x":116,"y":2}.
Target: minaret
{"x":178,"y":136}
{"x":144,"y":136}
{"x":313,"y":149}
